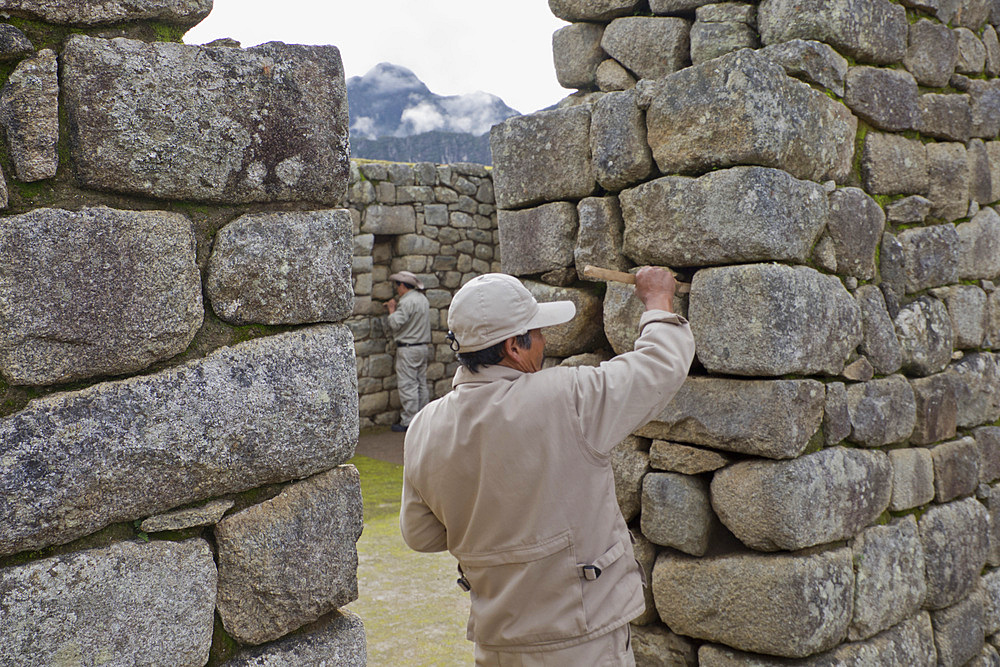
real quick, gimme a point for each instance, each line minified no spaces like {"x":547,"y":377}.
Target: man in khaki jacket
{"x":511,"y":473}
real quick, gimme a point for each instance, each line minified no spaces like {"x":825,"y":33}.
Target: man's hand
{"x":391,"y":305}
{"x":655,"y":288}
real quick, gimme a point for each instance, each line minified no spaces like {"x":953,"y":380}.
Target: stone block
{"x":129,"y":603}
{"x":727,"y":12}
{"x":147,"y":444}
{"x":771,"y":418}
{"x":925,"y":336}
{"x":836,"y":492}
{"x":798,"y":604}
{"x":912,"y":478}
{"x":784,"y":123}
{"x":584,"y":332}
{"x":811,"y":61}
{"x":885,"y":98}
{"x":176,"y":121}
{"x":68,"y":12}
{"x":955,"y":541}
{"x":684,"y":459}
{"x":908,"y":210}
{"x":336,"y":639}
{"x":537,"y":239}
{"x":611,"y":77}
{"x":993,"y":525}
{"x":931,"y":53}
{"x":576,"y":50}
{"x":29,"y":114}
{"x":947,"y":117}
{"x":879,"y":344}
{"x":856,"y":225}
{"x":14,"y":44}
{"x":203,"y":515}
{"x":283,"y":268}
{"x":288,"y":561}
{"x":542,"y":157}
{"x":618,"y":141}
{"x":948,"y":180}
{"x":814,"y":338}
{"x":977,"y":379}
{"x":988,"y":442}
{"x":871,"y":31}
{"x":381,"y":219}
{"x":648,"y":46}
{"x":591,"y":10}
{"x":967,"y":308}
{"x":737,"y":215}
{"x":980,"y":178}
{"x":991,"y":47}
{"x":95,"y":292}
{"x":930,"y":255}
{"x":990,"y":585}
{"x":713,"y":39}
{"x":675,"y":6}
{"x":984,"y":100}
{"x":836,"y":416}
{"x":892,"y":164}
{"x":677,"y":511}
{"x":956,"y":469}
{"x":599,"y":238}
{"x":959,"y":630}
{"x":656,"y":645}
{"x":971,"y":53}
{"x":882,"y":411}
{"x":630,"y":463}
{"x":979,"y":246}
{"x":893,"y":273}
{"x":936,"y":408}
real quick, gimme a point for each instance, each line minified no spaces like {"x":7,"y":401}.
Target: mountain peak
{"x":387,"y":78}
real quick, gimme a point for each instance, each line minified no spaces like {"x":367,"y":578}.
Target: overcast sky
{"x":453,"y":46}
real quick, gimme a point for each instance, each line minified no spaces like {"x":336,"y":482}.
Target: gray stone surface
{"x":591,"y":10}
{"x":867,"y":30}
{"x":599,"y":237}
{"x":971,"y":52}
{"x":992,"y":503}
{"x":687,"y":460}
{"x":379,"y":219}
{"x":992,"y":47}
{"x":713,"y":39}
{"x":725,"y":12}
{"x":967,"y":308}
{"x":29,"y":114}
{"x":892,"y":164}
{"x":645,"y":555}
{"x":893,"y":273}
{"x":818,"y":498}
{"x":14,"y":44}
{"x":948,"y":180}
{"x":955,"y":541}
{"x":879,"y":344}
{"x":811,"y":61}
{"x":542,"y":157}
{"x":288,"y":561}
{"x":214,"y":124}
{"x":956,"y":469}
{"x":771,"y":418}
{"x":980,"y":177}
{"x":885,"y":98}
{"x":908,"y":644}
{"x":538,"y":239}
{"x":630,"y":462}
{"x":584,"y":332}
{"x":576,"y":50}
{"x":959,"y":631}
{"x":931,"y":53}
{"x":797,"y":604}
{"x":783,"y":122}
{"x":978,"y":400}
{"x":990,"y":584}
{"x":888,"y":576}
{"x":127,"y":604}
{"x":207,"y":514}
{"x":336,"y":639}
{"x":611,"y":76}
{"x":649,"y":46}
{"x":656,"y":645}
{"x":908,"y":210}
{"x":738,"y":215}
{"x":836,"y":416}
{"x":856,"y":224}
{"x":936,"y":408}
{"x":979,"y":246}
{"x":69,"y":12}
{"x":984,"y":99}
{"x":677,"y":511}
{"x":912,"y":478}
{"x":930,"y":256}
{"x":742,"y":325}
{"x":882,"y":411}
{"x":947,"y":117}
{"x":988,"y":442}
{"x":925,"y":336}
{"x":674,"y":6}
{"x":95,"y":292}
{"x":618,"y":141}
{"x":283,"y":268}
{"x":622,"y":310}
{"x":125,"y":450}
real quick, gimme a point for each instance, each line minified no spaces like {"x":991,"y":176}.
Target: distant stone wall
{"x":437,"y":221}
{"x":824,"y":488}
{"x":179,"y":385}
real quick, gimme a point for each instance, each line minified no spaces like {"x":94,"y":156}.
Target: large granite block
{"x":912,"y":478}
{"x":584,"y":333}
{"x":336,"y":639}
{"x":618,"y":141}
{"x":931,"y":53}
{"x":948,"y":180}
{"x":539,"y":239}
{"x":812,"y":61}
{"x":677,"y":511}
{"x":648,"y":46}
{"x":29,"y":114}
{"x":930,"y":256}
{"x":72,"y":12}
{"x":885,"y":98}
{"x":882,"y":411}
{"x":925,"y":336}
{"x":955,"y":541}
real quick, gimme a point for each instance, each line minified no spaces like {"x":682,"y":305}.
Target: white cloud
{"x":363,"y":126}
{"x":423,"y":117}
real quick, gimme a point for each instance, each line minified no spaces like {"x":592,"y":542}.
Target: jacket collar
{"x":488,"y":374}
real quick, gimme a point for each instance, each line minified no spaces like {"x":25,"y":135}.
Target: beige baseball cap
{"x":492,"y":307}
{"x":408,"y":278}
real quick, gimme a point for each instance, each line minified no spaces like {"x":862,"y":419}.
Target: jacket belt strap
{"x":591,"y":571}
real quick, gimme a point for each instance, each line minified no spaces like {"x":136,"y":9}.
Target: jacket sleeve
{"x":420,"y":528}
{"x":631,"y":389}
{"x":404,"y":311}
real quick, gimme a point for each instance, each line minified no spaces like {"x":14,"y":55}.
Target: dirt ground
{"x":414,"y":613}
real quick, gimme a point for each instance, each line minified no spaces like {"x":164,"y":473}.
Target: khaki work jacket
{"x":511,"y":473}
{"x":411,"y":322}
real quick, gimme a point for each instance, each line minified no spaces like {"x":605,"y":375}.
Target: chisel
{"x":607,"y":275}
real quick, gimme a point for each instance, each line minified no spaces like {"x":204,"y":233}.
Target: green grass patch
{"x":381,"y":486}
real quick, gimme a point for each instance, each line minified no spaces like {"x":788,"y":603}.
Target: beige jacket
{"x":411,"y":322}
{"x":511,"y":473}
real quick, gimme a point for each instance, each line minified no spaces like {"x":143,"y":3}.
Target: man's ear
{"x":511,"y":350}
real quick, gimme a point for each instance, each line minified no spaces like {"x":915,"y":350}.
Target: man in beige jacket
{"x":511,"y":473}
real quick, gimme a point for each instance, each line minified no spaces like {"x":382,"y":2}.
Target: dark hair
{"x":491,"y":355}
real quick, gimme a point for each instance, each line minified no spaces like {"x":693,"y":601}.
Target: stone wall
{"x":179,"y":386}
{"x":824,"y":489}
{"x":437,"y":221}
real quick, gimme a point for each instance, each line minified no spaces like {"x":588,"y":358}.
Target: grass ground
{"x":413,"y":612}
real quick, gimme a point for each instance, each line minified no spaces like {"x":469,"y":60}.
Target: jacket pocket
{"x":526,"y":594}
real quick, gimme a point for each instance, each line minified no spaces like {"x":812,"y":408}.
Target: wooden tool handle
{"x":607,"y":275}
